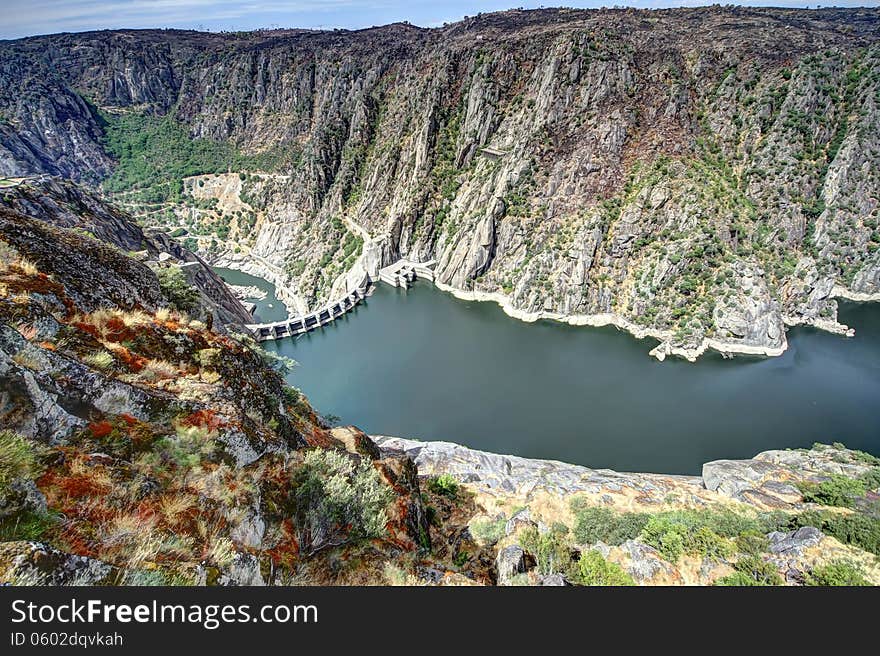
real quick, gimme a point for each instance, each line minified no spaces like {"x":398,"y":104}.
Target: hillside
{"x":706,"y":176}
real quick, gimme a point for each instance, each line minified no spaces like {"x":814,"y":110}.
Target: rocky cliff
{"x":706,"y":176}
{"x":140,"y":445}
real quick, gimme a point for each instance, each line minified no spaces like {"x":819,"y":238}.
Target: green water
{"x":268,"y":309}
{"x":425,"y":365}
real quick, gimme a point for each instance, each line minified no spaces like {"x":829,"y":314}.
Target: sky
{"x":29,"y":17}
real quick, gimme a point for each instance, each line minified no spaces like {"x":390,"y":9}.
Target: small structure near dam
{"x":403,"y":272}
{"x":400,"y":274}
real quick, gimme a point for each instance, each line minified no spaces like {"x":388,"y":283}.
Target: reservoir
{"x":423,"y":364}
{"x":268,"y":309}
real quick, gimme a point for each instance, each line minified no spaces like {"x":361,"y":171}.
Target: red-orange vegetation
{"x":133,"y":361}
{"x":100,"y":429}
{"x":206,"y":419}
{"x":286,"y":552}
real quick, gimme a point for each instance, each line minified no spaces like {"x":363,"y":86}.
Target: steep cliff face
{"x":706,"y":176}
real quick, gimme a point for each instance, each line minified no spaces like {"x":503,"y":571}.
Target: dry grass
{"x":159,"y":370}
{"x":136,"y":318}
{"x":102,"y":360}
{"x":27,"y":267}
{"x":28,"y":361}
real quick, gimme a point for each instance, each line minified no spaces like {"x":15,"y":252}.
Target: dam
{"x":399,"y":274}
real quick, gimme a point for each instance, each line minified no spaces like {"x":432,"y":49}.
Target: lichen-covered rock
{"x":795,"y":542}
{"x":510,"y":562}
{"x":34,"y":563}
{"x":645,"y":564}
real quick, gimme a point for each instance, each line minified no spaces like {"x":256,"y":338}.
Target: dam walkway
{"x":400,"y":274}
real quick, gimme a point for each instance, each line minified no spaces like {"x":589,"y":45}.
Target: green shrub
{"x":26,"y":525}
{"x":551,"y":550}
{"x":871,"y":479}
{"x":445,"y":485}
{"x":182,"y":296}
{"x":738,"y":579}
{"x":858,"y":529}
{"x":189,"y":447}
{"x":19,"y":458}
{"x":690,"y":532}
{"x":752,"y":543}
{"x":487,"y":531}
{"x":752,"y":570}
{"x":333,"y":493}
{"x":594,"y":524}
{"x":836,"y":573}
{"x":838,"y":491}
{"x":593,"y":569}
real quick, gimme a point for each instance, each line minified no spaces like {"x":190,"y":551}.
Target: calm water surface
{"x":268,"y":309}
{"x":422,"y":364}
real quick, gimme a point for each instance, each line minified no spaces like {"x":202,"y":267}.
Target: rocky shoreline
{"x":664,"y":348}
{"x":766,"y":481}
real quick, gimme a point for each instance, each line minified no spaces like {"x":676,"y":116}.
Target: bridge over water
{"x":399,"y":274}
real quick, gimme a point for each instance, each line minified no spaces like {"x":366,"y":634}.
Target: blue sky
{"x":28,"y":17}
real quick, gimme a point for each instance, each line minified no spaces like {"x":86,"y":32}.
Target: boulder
{"x":645,"y":564}
{"x":794,"y":543}
{"x":510,"y":562}
{"x":553,"y":579}
{"x":520,"y":520}
{"x":36,"y":563}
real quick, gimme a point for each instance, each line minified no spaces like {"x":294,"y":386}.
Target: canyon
{"x":707,"y":176}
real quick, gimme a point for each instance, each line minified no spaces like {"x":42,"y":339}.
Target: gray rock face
{"x":645,"y":563}
{"x":35,"y":563}
{"x":512,"y":474}
{"x":553,"y":580}
{"x":244,"y":570}
{"x":510,"y":561}
{"x":59,"y":203}
{"x":501,"y":167}
{"x":794,"y":543}
{"x":519,"y":520}
{"x":22,"y":495}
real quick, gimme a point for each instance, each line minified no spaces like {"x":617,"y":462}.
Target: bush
{"x":444,"y":485}
{"x":752,"y":543}
{"x":487,"y":531}
{"x":182,"y":296}
{"x":18,"y":459}
{"x":836,"y":573}
{"x":337,"y":499}
{"x":860,"y":530}
{"x":738,"y":580}
{"x":676,"y":533}
{"x":593,"y":569}
{"x":752,"y":571}
{"x":838,"y":491}
{"x":594,"y":524}
{"x":551,"y":550}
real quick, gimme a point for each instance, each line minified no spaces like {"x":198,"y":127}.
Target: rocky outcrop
{"x":113,"y":233}
{"x":35,"y":563}
{"x":768,"y":481}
